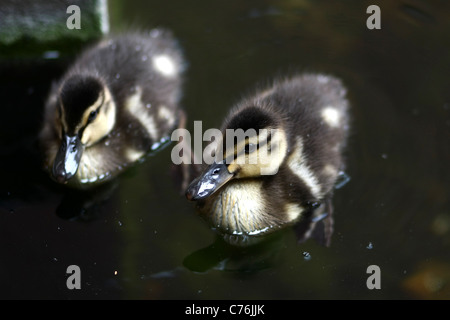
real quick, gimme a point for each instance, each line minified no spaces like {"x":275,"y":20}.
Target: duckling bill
{"x":116,"y":103}
{"x":299,"y":128}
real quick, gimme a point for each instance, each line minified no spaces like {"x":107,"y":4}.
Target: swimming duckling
{"x":115,"y":104}
{"x":284,"y":166}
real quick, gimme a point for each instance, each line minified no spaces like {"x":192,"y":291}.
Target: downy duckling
{"x":117,"y":102}
{"x":285,"y":166}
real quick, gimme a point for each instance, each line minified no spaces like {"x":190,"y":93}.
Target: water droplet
{"x":107,"y":143}
{"x":155,"y":146}
{"x":319,"y":217}
{"x":117,"y":76}
{"x":120,"y":223}
{"x":384,"y":156}
{"x":144,"y":58}
{"x":51,"y":55}
{"x":138,"y":47}
{"x":369,"y":246}
{"x":148,"y":105}
{"x":341,"y":180}
{"x":306,"y":256}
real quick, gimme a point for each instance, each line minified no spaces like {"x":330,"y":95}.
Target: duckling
{"x":285,"y":165}
{"x":115,"y":104}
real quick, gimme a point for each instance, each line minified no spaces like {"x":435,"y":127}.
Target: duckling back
{"x":142,"y":74}
{"x":315,"y":109}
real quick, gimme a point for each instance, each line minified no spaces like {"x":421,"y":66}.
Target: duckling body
{"x":307,"y":120}
{"x":116,"y":103}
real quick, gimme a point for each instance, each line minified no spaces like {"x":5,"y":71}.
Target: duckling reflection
{"x":244,"y":255}
{"x":116,"y":103}
{"x":85,"y":205}
{"x":306,"y":121}
{"x":223,"y":256}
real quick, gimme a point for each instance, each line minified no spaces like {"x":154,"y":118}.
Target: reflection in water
{"x":223,"y":256}
{"x":429,"y":280}
{"x":85,"y":205}
{"x":342,"y":179}
{"x":249,"y":254}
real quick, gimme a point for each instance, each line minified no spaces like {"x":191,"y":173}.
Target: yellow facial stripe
{"x":238,"y":149}
{"x":103,"y":123}
{"x":97,"y":104}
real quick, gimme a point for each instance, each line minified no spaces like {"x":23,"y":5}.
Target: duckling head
{"x":253,"y":145}
{"x":86,"y":114}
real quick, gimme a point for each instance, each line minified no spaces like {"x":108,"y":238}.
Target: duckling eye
{"x":92,"y":115}
{"x":249,"y":148}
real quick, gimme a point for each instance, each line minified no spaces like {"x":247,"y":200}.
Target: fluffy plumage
{"x":120,"y":99}
{"x":308,"y":116}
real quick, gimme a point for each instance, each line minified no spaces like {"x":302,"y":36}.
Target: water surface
{"x":140,"y":238}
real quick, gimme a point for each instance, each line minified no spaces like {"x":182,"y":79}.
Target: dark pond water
{"x":139,"y":238}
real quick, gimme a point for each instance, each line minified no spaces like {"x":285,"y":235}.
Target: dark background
{"x":139,"y":238}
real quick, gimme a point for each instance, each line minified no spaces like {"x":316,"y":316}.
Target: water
{"x":138,"y":237}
